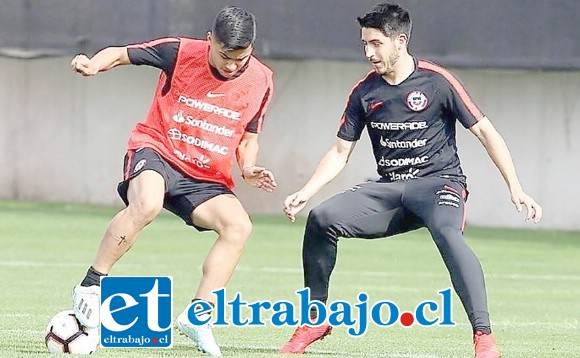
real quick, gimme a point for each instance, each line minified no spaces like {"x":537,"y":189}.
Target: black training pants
{"x":381,"y":209}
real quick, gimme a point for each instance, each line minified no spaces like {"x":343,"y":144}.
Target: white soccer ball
{"x":64,"y":334}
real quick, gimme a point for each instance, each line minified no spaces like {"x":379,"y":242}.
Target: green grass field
{"x":533,"y":282}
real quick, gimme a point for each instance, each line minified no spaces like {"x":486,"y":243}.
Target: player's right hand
{"x":521,"y":200}
{"x":294,"y":203}
{"x":82,"y":64}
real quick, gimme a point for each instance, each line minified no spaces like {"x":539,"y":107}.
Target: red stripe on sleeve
{"x":454,"y":82}
{"x":154,"y":43}
{"x":343,"y":118}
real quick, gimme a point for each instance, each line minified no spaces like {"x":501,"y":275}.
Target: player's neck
{"x":404,"y":67}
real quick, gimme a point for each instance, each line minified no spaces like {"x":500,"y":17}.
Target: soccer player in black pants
{"x":409,"y":108}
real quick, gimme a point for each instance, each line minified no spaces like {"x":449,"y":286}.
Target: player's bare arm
{"x":328,"y":168}
{"x":103,"y":60}
{"x":247,"y":154}
{"x":500,"y":155}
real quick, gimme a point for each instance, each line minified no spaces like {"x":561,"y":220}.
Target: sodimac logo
{"x":136,"y":312}
{"x":356,"y":317}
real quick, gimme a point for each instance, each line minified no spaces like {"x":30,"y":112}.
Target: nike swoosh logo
{"x":214,"y":95}
{"x":375,"y":105}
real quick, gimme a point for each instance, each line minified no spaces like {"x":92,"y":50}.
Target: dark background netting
{"x":532,"y":34}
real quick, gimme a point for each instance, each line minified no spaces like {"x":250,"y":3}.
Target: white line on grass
{"x":367,"y":354}
{"x":39,"y":264}
{"x":554,"y":325}
{"x":15,"y":315}
{"x":23,"y":331}
{"x":22,"y":263}
{"x":340,"y":353}
{"x":416,"y":273}
{"x":286,"y":270}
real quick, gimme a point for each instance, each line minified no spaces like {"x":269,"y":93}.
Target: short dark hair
{"x":235,"y":28}
{"x":391,"y":19}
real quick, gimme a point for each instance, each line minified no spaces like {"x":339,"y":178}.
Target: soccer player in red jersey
{"x":208,"y":110}
{"x":409,"y":108}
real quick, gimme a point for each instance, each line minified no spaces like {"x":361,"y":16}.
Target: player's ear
{"x":402,"y":40}
{"x":208,"y":36}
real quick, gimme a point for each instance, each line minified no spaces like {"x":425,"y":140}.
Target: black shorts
{"x":183,"y":194}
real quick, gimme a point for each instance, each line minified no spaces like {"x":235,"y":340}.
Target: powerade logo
{"x":355,"y":316}
{"x":136,"y":312}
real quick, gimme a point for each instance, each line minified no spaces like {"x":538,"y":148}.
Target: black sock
{"x":211,"y":304}
{"x":484,"y":330}
{"x":93,"y":278}
{"x":313,"y":313}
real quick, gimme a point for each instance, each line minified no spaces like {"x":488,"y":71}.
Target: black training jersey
{"x":411,"y":125}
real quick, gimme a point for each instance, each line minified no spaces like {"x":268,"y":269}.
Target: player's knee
{"x":446,"y":234}
{"x":144,"y":210}
{"x":320,"y":219}
{"x":236,"y":231}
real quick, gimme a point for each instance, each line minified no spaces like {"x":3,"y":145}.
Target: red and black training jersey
{"x":197,"y":119}
{"x":411,"y":125}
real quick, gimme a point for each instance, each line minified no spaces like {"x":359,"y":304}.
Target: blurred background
{"x":63,"y":137}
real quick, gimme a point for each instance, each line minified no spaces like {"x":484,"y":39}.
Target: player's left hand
{"x":533,"y":209}
{"x":260,"y":178}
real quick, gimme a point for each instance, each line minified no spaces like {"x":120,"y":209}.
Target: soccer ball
{"x":64,"y":334}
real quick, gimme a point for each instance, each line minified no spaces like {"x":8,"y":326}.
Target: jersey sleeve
{"x":255,"y":125}
{"x":459,"y":102}
{"x":352,"y":121}
{"x":160,"y":53}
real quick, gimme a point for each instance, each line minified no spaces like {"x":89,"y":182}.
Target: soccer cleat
{"x":305,"y":336}
{"x":202,"y":336}
{"x":86,"y":304}
{"x":485,"y":346}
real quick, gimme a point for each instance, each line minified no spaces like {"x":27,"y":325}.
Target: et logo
{"x":136,"y":312}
